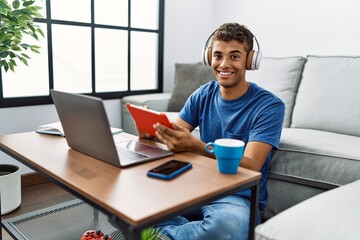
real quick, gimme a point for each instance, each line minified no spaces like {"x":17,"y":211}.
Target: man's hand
{"x":177,"y":139}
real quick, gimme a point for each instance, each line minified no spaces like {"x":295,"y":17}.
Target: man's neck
{"x":235,"y":91}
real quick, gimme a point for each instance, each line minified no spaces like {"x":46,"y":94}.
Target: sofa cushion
{"x":280,"y":76}
{"x":188,"y":77}
{"x":307,"y":163}
{"x":328,"y":97}
{"x":316,"y":158}
{"x":329,"y":215}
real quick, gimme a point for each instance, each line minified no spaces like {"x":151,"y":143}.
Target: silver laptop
{"x":87,"y":130}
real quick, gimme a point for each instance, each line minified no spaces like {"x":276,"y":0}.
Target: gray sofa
{"x":320,"y":142}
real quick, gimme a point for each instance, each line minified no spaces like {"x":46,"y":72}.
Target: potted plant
{"x":10,"y":187}
{"x":151,"y":233}
{"x":17,"y":21}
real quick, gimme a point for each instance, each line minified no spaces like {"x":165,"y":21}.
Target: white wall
{"x":297,"y":28}
{"x":188,"y":23}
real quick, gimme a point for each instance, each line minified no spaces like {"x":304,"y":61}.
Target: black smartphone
{"x":169,"y":170}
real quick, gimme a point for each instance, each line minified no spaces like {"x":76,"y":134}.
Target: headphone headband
{"x":253,"y":57}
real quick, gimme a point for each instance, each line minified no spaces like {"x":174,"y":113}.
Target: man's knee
{"x":231,"y":225}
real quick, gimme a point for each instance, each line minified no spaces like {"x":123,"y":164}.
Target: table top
{"x":125,"y":192}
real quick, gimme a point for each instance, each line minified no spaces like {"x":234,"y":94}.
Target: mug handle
{"x":208,"y":145}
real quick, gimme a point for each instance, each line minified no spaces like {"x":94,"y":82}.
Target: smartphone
{"x":169,"y":170}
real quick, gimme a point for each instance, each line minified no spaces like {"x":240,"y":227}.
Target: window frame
{"x":40,"y":100}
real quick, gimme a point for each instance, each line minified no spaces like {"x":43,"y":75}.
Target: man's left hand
{"x":177,"y":139}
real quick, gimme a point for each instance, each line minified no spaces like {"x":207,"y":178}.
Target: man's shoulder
{"x":208,"y":88}
{"x":266,"y":93}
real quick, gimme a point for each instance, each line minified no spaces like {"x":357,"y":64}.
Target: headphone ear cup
{"x":249,"y":60}
{"x":205,"y":56}
{"x":256,"y":60}
{"x":208,"y":54}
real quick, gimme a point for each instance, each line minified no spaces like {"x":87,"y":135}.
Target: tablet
{"x":146,"y":118}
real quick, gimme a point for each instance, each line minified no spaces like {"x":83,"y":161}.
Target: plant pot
{"x":10,"y":187}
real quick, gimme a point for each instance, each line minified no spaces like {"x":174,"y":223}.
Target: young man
{"x":230,"y":107}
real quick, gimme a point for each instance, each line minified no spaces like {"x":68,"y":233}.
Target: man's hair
{"x":234,"y":31}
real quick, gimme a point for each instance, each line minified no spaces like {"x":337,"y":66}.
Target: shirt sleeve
{"x":268,"y":125}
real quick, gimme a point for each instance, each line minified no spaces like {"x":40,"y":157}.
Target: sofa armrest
{"x":155,"y":101}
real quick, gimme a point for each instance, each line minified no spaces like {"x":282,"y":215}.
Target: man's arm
{"x":255,"y":155}
{"x":180,"y":138}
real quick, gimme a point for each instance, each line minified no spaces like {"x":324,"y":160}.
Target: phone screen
{"x":169,"y":167}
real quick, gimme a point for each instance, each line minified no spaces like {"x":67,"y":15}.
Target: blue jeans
{"x":226,"y":218}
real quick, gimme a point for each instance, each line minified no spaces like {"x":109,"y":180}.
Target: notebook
{"x":55,"y":128}
{"x":87,"y":130}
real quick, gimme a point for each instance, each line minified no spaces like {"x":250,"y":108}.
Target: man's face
{"x":228,"y":62}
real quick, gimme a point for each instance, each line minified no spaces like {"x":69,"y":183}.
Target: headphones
{"x":252,"y":61}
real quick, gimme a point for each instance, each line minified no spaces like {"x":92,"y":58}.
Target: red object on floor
{"x":95,"y":235}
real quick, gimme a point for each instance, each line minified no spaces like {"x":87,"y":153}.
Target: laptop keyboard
{"x":129,"y":155}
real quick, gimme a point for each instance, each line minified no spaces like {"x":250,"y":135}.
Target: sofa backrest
{"x":188,"y":77}
{"x":328,"y":96}
{"x":281,"y":77}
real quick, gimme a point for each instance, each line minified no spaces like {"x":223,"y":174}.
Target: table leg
{"x":134,"y":234}
{"x":0,"y":219}
{"x":254,"y":210}
{"x":127,"y":230}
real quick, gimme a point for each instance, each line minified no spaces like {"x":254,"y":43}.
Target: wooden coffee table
{"x":135,"y":199}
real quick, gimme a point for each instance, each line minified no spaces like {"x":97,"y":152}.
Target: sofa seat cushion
{"x":316,"y":158}
{"x":330,"y":215}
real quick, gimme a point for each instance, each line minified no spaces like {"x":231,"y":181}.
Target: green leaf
{"x":3,"y":8}
{"x":31,"y":27}
{"x":3,"y":54}
{"x":18,"y":34}
{"x":4,"y":48}
{"x":35,"y":8}
{"x":17,"y":12}
{"x":7,"y":36}
{"x":25,"y":18}
{"x":35,"y":50}
{"x":11,"y":65}
{"x":16,"y":41}
{"x":13,"y":20}
{"x":16,"y":4}
{"x":13,"y":62}
{"x":15,"y":48}
{"x":25,"y":46}
{"x":35,"y":46}
{"x":24,"y":55}
{"x":7,"y":42}
{"x":41,"y":32}
{"x":150,"y":233}
{"x":38,"y":15}
{"x":6,"y":66}
{"x":21,"y":23}
{"x":28,"y":3}
{"x":24,"y":61}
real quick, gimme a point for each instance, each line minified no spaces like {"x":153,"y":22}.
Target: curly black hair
{"x":234,"y":31}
